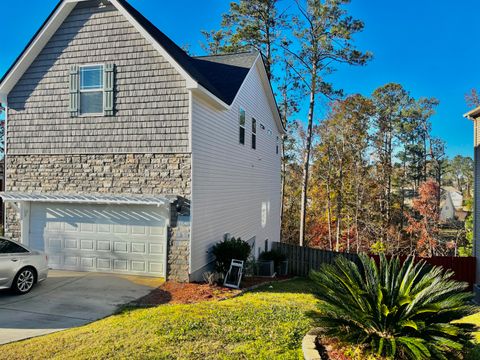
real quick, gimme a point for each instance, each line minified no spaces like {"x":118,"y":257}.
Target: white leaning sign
{"x":234,"y":274}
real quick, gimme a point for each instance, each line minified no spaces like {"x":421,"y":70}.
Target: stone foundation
{"x":155,"y":174}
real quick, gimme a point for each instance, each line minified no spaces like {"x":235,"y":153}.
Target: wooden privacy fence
{"x":303,"y":259}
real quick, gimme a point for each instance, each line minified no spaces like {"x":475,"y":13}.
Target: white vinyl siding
{"x":233,"y":191}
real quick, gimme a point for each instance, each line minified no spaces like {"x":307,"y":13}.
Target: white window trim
{"x":80,"y":91}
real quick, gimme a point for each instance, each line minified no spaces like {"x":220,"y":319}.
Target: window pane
{"x":91,"y":77}
{"x":8,"y":247}
{"x":242,"y":135}
{"x":91,"y":102}
{"x":242,"y":117}
{"x":254,"y":141}
{"x":254,"y":126}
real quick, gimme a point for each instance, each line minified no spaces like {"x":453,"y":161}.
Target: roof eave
{"x":201,"y":91}
{"x":472,"y":114}
{"x":270,"y":94}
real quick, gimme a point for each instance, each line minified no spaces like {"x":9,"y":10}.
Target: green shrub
{"x":401,"y":311}
{"x":229,"y":249}
{"x":275,"y":255}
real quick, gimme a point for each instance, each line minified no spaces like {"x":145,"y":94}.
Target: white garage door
{"x":128,"y":239}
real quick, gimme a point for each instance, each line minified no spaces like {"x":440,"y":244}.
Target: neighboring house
{"x":451,"y":204}
{"x":124,"y":154}
{"x":474,"y":115}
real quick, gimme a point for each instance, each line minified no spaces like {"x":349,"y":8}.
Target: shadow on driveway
{"x":68,"y":299}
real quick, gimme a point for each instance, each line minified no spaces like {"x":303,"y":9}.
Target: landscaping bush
{"x":229,"y":249}
{"x":393,"y":310}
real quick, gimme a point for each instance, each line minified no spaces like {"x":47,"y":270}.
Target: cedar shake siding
{"x":151,"y":100}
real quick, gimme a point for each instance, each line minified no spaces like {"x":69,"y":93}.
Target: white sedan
{"x":21,"y":267}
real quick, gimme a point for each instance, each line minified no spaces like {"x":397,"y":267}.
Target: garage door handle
{"x":14,"y":260}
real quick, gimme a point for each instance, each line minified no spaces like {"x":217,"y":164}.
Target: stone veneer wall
{"x":161,"y":174}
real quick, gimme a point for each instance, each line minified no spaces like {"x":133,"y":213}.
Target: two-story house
{"x":125,"y":154}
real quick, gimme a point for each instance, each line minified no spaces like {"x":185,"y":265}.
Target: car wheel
{"x":24,"y":281}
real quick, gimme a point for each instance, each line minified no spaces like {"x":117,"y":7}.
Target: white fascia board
{"x":190,"y":81}
{"x":36,"y":46}
{"x":472,"y":114}
{"x":267,"y":88}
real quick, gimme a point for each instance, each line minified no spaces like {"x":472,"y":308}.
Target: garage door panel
{"x":103,"y":245}
{"x":125,"y":239}
{"x":72,"y":261}
{"x":120,"y":247}
{"x":87,"y":263}
{"x":104,"y":264}
{"x":71,"y":244}
{"x":104,"y":228}
{"x":120,"y":265}
{"x":138,"y":248}
{"x":156,"y":249}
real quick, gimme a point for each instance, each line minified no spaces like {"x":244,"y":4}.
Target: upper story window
{"x":254,"y":133}
{"x":277,"y":145}
{"x":242,"y":127}
{"x":91,"y":89}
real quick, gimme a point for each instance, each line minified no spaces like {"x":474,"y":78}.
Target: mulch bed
{"x":329,"y":349}
{"x":187,"y":293}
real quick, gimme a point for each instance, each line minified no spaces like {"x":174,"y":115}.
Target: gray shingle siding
{"x":151,"y":100}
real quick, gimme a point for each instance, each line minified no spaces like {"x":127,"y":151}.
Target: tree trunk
{"x":306,"y":159}
{"x":339,"y":205}
{"x":329,"y":206}
{"x":284,"y":165}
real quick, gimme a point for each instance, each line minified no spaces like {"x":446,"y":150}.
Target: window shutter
{"x":108,"y":89}
{"x":74,"y":91}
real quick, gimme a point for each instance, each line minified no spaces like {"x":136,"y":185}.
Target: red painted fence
{"x":301,"y":260}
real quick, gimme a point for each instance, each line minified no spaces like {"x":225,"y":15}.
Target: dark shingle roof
{"x":226,"y":72}
{"x":221,"y":75}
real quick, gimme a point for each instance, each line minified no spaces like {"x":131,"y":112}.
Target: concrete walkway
{"x":67,"y":299}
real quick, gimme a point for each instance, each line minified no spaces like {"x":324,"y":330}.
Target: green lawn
{"x":266,"y":324}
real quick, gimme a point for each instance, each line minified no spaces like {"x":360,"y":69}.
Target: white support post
{"x":25,"y":222}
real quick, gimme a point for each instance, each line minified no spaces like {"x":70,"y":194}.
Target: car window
{"x":9,"y":247}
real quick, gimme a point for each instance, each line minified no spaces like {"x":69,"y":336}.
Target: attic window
{"x":91,"y":89}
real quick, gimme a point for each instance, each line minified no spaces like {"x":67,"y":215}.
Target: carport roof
{"x":116,"y":199}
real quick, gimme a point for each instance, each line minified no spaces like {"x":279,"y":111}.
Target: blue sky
{"x":428,"y":46}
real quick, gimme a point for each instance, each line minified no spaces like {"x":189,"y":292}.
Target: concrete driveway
{"x":67,"y":299}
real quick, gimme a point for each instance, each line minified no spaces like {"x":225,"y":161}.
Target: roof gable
{"x":221,"y":77}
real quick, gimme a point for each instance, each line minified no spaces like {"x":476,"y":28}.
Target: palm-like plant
{"x":394,"y":310}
